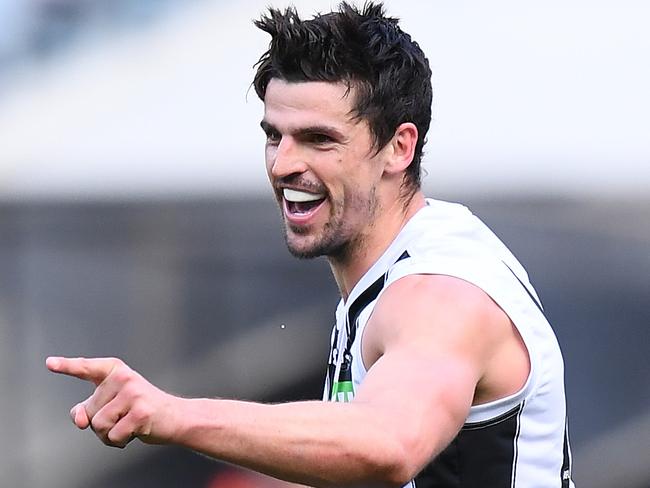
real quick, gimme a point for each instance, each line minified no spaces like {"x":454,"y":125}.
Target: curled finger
{"x":122,"y":432}
{"x":104,"y":421}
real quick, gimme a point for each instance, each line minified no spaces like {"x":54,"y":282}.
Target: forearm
{"x":314,"y":443}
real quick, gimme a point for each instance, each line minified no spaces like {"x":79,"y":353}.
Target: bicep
{"x":427,"y":399}
{"x":434,"y":338}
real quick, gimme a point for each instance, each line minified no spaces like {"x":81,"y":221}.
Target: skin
{"x":436,"y":337}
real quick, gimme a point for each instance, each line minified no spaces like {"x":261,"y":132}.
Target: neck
{"x":349,"y":267}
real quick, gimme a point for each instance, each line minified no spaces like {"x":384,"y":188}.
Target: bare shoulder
{"x":449,"y":308}
{"x":438,"y":316}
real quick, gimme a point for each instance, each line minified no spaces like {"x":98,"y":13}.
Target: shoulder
{"x":437,"y":313}
{"x":430,"y":299}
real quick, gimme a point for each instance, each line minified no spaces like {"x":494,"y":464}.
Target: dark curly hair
{"x":364,"y":49}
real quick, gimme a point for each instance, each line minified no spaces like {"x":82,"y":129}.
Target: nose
{"x":286,"y":158}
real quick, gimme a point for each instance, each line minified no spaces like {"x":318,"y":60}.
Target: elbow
{"x":403,"y":472}
{"x":401,"y":465}
{"x":384,"y":464}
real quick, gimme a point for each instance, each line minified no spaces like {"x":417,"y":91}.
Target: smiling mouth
{"x":302,"y":203}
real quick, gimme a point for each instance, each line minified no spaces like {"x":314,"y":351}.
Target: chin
{"x":303,"y":254}
{"x":303,"y":250}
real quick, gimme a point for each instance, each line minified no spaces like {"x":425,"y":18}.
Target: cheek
{"x":358,"y":201}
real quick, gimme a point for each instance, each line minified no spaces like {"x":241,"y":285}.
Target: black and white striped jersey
{"x":516,"y":442}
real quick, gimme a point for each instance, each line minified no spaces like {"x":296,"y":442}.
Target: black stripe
{"x":532,"y":297}
{"x":486,"y":423}
{"x":565,"y":473}
{"x":516,"y":447}
{"x":362,"y":301}
{"x":404,"y":255}
{"x":482,"y":455}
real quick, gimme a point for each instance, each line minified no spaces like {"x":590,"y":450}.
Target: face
{"x":323,"y":167}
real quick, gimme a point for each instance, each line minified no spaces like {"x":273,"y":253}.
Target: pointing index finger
{"x":89,"y":369}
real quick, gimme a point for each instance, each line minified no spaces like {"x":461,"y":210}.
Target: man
{"x":443,"y":371}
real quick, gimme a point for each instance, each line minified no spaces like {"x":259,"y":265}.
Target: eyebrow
{"x":266,"y":127}
{"x":333,"y":132}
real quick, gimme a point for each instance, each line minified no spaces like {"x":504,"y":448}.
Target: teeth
{"x":296,"y":196}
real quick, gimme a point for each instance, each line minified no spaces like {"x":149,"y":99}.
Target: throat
{"x":350,"y":262}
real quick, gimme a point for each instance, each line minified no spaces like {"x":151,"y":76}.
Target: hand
{"x":123,"y":406}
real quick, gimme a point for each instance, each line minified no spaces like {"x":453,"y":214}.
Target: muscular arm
{"x":412,"y":403}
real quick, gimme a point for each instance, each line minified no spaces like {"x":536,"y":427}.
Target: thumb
{"x":79,"y":416}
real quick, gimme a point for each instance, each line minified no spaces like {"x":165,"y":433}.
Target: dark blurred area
{"x":43,"y":28}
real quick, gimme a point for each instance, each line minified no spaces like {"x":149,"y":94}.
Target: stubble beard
{"x":337,"y":240}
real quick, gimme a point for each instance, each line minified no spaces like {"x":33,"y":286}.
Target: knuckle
{"x":105,"y":440}
{"x":141,"y":413}
{"x":117,"y":362}
{"x":122,"y":374}
{"x":99,"y":425}
{"x":117,"y":440}
{"x":132,"y":388}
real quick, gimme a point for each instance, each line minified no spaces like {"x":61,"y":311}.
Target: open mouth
{"x":302,"y":203}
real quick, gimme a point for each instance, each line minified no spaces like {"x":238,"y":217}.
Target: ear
{"x":401,"y":148}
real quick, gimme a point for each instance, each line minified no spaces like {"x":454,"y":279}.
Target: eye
{"x":317,"y":138}
{"x":272,"y":137}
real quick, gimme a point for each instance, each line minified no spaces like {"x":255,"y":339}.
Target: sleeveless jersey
{"x":520,"y":441}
